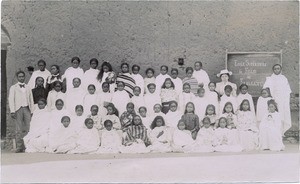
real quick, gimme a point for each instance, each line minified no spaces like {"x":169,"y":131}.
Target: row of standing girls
{"x":103,"y":93}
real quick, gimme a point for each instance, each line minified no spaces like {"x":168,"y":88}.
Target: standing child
{"x":113,"y":116}
{"x":90,"y":76}
{"x":167,"y":94}
{"x":160,"y":136}
{"x":191,"y":80}
{"x":120,"y":98}
{"x":205,"y":137}
{"x":20,"y":104}
{"x":135,"y":137}
{"x":210,"y":112}
{"x":201,"y":76}
{"x":39,"y":92}
{"x":224,"y":140}
{"x":37,"y":138}
{"x":262,"y":104}
{"x":151,"y":98}
{"x":176,"y":80}
{"x":245,"y":95}
{"x":182,"y":138}
{"x":55,"y":94}
{"x":149,"y":79}
{"x":74,"y":96}
{"x":88,"y":138}
{"x":246,"y":126}
{"x":227,"y":97}
{"x":139,"y":81}
{"x":191,"y":120}
{"x":145,"y":119}
{"x":110,"y":139}
{"x":63,"y":139}
{"x":270,"y":129}
{"x":201,"y":103}
{"x":173,"y":116}
{"x":91,"y":98}
{"x":73,"y":72}
{"x":138,"y":98}
{"x":185,"y":97}
{"x":127,"y":117}
{"x":42,"y":72}
{"x":161,"y":77}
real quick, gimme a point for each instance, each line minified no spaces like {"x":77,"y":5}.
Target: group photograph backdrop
{"x":146,"y":33}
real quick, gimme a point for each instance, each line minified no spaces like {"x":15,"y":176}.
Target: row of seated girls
{"x":124,"y":113}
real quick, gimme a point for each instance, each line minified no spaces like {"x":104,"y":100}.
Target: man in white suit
{"x":20,"y":103}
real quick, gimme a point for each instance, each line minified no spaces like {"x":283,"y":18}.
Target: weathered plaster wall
{"x":149,"y":33}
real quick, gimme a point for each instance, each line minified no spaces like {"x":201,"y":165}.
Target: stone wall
{"x":149,"y":33}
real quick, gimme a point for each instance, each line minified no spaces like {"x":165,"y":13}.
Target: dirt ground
{"x":254,"y":166}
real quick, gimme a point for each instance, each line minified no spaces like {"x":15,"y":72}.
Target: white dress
{"x":150,"y":100}
{"x":120,"y":99}
{"x":72,"y":73}
{"x":161,"y":144}
{"x":146,"y":122}
{"x":37,"y":138}
{"x":111,"y":141}
{"x":139,"y":81}
{"x":172,"y":118}
{"x":204,"y":140}
{"x":247,"y":130}
{"x":44,"y":74}
{"x":182,"y":141}
{"x":77,"y":122}
{"x":138,"y":102}
{"x":200,"y":106}
{"x":148,"y":81}
{"x":159,"y":81}
{"x":226,"y":141}
{"x":212,"y":98}
{"x":74,"y":97}
{"x":248,"y":97}
{"x":280,"y":91}
{"x":270,"y":136}
{"x":225,"y":99}
{"x":90,"y":77}
{"x":113,"y":118}
{"x":104,"y":99}
{"x":87,"y":141}
{"x":97,"y":121}
{"x":262,"y":107}
{"x":62,"y":139}
{"x":55,"y":118}
{"x":53,"y":96}
{"x":202,"y":77}
{"x":88,"y":101}
{"x":178,"y":85}
{"x":184,"y":98}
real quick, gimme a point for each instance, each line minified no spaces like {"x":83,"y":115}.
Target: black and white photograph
{"x":96,"y":91}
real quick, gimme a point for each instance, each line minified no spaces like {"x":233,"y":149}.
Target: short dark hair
{"x":189,"y":68}
{"x":18,"y":72}
{"x":167,"y":68}
{"x":122,"y":64}
{"x":78,"y":106}
{"x":94,"y":59}
{"x":174,"y":69}
{"x":75,"y":58}
{"x":65,"y":117}
{"x":106,"y":122}
{"x":242,"y":85}
{"x":150,"y":69}
{"x":41,"y":61}
{"x":135,"y":66}
{"x":59,"y":100}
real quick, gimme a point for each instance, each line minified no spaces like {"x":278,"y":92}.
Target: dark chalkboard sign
{"x":252,"y":68}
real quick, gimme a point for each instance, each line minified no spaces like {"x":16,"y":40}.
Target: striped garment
{"x":126,"y":119}
{"x":134,"y":132}
{"x":193,"y":83}
{"x":128,"y":81}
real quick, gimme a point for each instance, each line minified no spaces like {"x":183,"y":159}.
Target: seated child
{"x":79,"y":118}
{"x":145,"y":119}
{"x":139,"y":81}
{"x":159,"y":80}
{"x":91,"y":98}
{"x":62,"y":139}
{"x":151,"y":98}
{"x":120,"y":97}
{"x":167,"y":94}
{"x":157,"y":112}
{"x":177,"y":81}
{"x":224,"y":140}
{"x":113,"y":116}
{"x":74,"y":93}
{"x":245,"y":95}
{"x":104,"y":98}
{"x":95,"y":117}
{"x":160,"y":136}
{"x":210,"y":112}
{"x":191,"y":120}
{"x":57,"y":114}
{"x":213,"y":96}
{"x":88,"y":138}
{"x":138,"y":98}
{"x":200,"y":103}
{"x":149,"y":79}
{"x":55,"y":94}
{"x":39,"y":92}
{"x":262,"y":104}
{"x":205,"y":137}
{"x":191,"y":80}
{"x":185,"y":97}
{"x":135,"y":138}
{"x":173,"y":116}
{"x":127,"y":117}
{"x":37,"y":138}
{"x":111,"y":140}
{"x":182,"y":139}
{"x":227,"y":97}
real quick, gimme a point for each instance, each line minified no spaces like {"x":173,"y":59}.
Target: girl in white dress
{"x":79,"y":118}
{"x":229,"y":114}
{"x":160,"y":79}
{"x":246,"y":126}
{"x":139,"y":81}
{"x":245,"y":95}
{"x":57,"y":114}
{"x":73,"y":72}
{"x":167,"y":94}
{"x":213,"y":96}
{"x":120,"y":98}
{"x":160,"y":136}
{"x":262,"y":104}
{"x":88,"y":139}
{"x":201,"y":103}
{"x":201,"y":75}
{"x":37,"y":138}
{"x":55,"y":94}
{"x":178,"y":85}
{"x":111,"y":140}
{"x":90,"y":76}
{"x":149,"y":79}
{"x":151,"y":98}
{"x":104,"y":98}
{"x":107,"y":74}
{"x":74,"y":96}
{"x":95,"y":117}
{"x":270,"y":136}
{"x":182,"y":140}
{"x":205,"y":137}
{"x":210,"y":112}
{"x":185,"y":97}
{"x":91,"y":98}
{"x":145,"y":118}
{"x":225,"y":141}
{"x":63,"y":139}
{"x":280,"y":91}
{"x":113,"y":116}
{"x":228,"y":97}
{"x":173,"y":116}
{"x":138,"y":98}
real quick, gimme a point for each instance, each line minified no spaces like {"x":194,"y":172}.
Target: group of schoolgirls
{"x":100,"y":111}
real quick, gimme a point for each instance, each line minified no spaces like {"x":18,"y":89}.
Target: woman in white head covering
{"x":224,"y":75}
